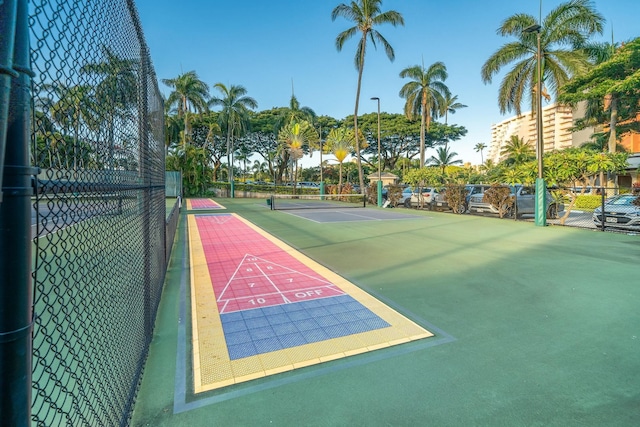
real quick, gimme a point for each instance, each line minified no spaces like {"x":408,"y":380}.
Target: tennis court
{"x":532,"y":326}
{"x":330,"y":208}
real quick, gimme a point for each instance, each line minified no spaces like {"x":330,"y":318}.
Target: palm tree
{"x":295,"y":137}
{"x":295,"y":113}
{"x":444,"y":158}
{"x":340,"y":142}
{"x":562,"y":33}
{"x":173,"y":128}
{"x":189,"y":93}
{"x":75,"y":107}
{"x":366,"y":15}
{"x":517,"y":151}
{"x":117,"y":92}
{"x":451,"y":105}
{"x":234,"y":116}
{"x":479,"y":147}
{"x":425,"y":95}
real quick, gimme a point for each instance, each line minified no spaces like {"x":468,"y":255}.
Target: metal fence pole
{"x":602,"y":197}
{"x":7,"y":40}
{"x":16,"y":289}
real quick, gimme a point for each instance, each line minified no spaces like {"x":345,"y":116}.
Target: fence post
{"x":7,"y":36}
{"x":16,"y":288}
{"x":604,"y":216}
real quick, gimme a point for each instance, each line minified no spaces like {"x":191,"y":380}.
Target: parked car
{"x":619,"y":212}
{"x":307,"y":184}
{"x":439,"y":203}
{"x":411,"y":198}
{"x":524,"y":204}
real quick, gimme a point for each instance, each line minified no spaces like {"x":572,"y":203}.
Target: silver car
{"x":525,"y":197}
{"x":619,"y":212}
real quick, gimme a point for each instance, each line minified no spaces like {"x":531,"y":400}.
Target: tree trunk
{"x":613,"y":107}
{"x":355,"y":114}
{"x":423,"y":120}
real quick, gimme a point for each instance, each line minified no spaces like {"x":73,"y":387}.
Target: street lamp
{"x":541,"y":191}
{"x":375,"y":98}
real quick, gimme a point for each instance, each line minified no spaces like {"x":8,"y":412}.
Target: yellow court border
{"x":212,"y":368}
{"x":190,"y":207}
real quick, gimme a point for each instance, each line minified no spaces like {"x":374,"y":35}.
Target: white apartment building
{"x":557,"y":121}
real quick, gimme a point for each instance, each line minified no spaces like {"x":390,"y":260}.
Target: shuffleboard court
{"x":203,"y":204}
{"x":259,"y":307}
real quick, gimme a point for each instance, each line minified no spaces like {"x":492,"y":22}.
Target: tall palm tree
{"x":517,"y":151}
{"x":296,"y":113}
{"x":444,"y":158}
{"x":425,"y":95}
{"x":563,"y":32}
{"x":366,"y":15}
{"x":451,"y":105}
{"x":234,"y":116}
{"x":75,"y":107}
{"x":189,"y":94}
{"x":117,"y":91}
{"x":479,"y":147}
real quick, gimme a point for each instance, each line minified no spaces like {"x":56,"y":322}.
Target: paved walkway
{"x":533,"y":326}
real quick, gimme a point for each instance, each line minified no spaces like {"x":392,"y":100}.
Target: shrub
{"x":500,"y":197}
{"x":588,"y":201}
{"x":455,"y":195}
{"x":394,"y":194}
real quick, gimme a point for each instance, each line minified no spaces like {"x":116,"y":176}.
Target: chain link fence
{"x":99,"y":209}
{"x":580,"y":207}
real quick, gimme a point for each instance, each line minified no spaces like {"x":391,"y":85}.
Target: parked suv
{"x":524,"y":204}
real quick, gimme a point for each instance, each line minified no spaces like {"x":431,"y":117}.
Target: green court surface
{"x":533,"y":326}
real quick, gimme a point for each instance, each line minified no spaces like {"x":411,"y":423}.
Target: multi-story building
{"x":557,"y":121}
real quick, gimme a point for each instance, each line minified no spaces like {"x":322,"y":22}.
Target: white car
{"x":412,"y":199}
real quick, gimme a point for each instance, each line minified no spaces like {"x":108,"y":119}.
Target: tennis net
{"x":317,"y":201}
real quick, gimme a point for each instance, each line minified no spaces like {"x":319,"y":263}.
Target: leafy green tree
{"x":262,"y":138}
{"x":400,"y":137}
{"x":612,"y":87}
{"x":206,"y":134}
{"x":443,"y":158}
{"x":425,"y":95}
{"x":366,"y":15}
{"x":234,"y":116}
{"x":563,"y":32}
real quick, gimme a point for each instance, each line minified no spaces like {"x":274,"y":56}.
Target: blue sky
{"x":265,"y":44}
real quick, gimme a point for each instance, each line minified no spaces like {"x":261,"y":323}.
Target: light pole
{"x":541,"y":191}
{"x":375,"y":98}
